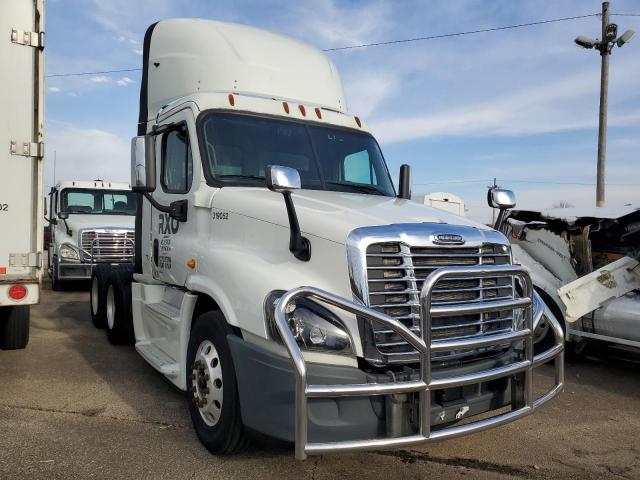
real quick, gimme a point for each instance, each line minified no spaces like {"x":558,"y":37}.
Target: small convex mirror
{"x":283,"y":179}
{"x":501,"y":198}
{"x":143,"y":163}
{"x":63,"y":215}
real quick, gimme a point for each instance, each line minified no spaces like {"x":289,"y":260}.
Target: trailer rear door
{"x":21,"y":141}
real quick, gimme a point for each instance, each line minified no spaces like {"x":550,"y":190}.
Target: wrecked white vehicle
{"x":584,"y":263}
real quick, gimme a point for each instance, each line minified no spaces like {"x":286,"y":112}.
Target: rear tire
{"x":98,"y":295}
{"x":14,"y":327}
{"x":214,"y":405}
{"x":119,"y":319}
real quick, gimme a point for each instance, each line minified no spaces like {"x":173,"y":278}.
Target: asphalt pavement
{"x":74,"y":406}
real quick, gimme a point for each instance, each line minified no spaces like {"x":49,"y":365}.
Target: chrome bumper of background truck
{"x":424,"y":346}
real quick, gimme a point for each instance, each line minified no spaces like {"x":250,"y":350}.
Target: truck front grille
{"x":109,"y":246}
{"x":395,"y":274}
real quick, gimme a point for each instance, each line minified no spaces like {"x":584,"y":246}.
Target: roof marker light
{"x":17,"y":292}
{"x":232,"y":101}
{"x":358,"y":122}
{"x":318,"y":113}
{"x":302,"y":110}
{"x":285,"y":105}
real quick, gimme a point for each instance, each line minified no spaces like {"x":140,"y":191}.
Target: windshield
{"x":102,"y":202}
{"x":240,"y":147}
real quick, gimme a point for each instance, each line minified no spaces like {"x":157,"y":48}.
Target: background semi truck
{"x":91,"y":223}
{"x":282,"y":281}
{"x":21,"y":165}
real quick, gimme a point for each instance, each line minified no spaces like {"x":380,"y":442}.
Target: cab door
{"x":176,"y":180}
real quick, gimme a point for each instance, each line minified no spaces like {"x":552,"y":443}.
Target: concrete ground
{"x":74,"y":406}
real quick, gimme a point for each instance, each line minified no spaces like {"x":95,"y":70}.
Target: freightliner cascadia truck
{"x":92,"y":223}
{"x":282,"y":280}
{"x":21,"y":165}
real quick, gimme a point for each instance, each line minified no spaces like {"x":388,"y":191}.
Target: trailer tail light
{"x":3,"y":270}
{"x":17,"y":292}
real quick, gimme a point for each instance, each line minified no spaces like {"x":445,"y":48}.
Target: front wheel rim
{"x":111,"y":308}
{"x":206,"y":383}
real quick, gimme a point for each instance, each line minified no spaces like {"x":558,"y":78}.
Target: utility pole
{"x":604,"y":46}
{"x":602,"y":118}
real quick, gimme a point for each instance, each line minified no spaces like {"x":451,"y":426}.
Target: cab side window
{"x":177,"y":164}
{"x":357,"y":168}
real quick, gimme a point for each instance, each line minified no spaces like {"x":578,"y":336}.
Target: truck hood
{"x":77,"y":222}
{"x":331,"y":215}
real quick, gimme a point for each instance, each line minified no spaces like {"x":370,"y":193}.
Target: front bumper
{"x":74,"y":270}
{"x":267,"y":398}
{"x":518,"y":372}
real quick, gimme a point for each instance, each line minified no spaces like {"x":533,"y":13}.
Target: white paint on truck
{"x":244,"y":137}
{"x":21,"y":158}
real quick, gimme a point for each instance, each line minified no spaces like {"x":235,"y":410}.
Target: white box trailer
{"x":21,"y":165}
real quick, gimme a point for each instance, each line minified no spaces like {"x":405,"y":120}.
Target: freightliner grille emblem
{"x":448,"y":239}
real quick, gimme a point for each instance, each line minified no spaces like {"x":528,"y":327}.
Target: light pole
{"x":604,"y":46}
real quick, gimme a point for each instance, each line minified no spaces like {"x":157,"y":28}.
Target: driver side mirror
{"x":143,"y":163}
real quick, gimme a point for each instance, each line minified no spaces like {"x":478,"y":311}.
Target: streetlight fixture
{"x":604,"y":46}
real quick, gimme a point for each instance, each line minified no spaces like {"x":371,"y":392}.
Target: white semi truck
{"x":92,"y":223}
{"x":282,"y":280}
{"x":21,"y":165}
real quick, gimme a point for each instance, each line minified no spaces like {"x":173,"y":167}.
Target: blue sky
{"x":520,"y":105}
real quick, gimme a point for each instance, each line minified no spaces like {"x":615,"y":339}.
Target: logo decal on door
{"x":167,"y":225}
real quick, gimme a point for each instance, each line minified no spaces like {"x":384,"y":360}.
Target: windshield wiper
{"x":361,"y":187}
{"x":254,"y":177}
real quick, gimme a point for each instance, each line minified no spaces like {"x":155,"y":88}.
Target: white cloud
{"x":554,"y":106}
{"x":54,"y":89}
{"x":137,"y":51}
{"x":124,"y":81}
{"x":72,"y":94}
{"x":101,"y":79}
{"x":87,"y":153}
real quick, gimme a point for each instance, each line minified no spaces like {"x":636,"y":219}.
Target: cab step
{"x":158,"y":359}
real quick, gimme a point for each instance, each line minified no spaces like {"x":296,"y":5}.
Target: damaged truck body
{"x":584,"y":262}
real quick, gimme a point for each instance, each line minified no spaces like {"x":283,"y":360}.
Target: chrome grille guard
{"x":117,"y":254}
{"x":424,"y":347}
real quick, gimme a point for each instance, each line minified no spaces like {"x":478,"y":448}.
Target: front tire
{"x":56,"y":284}
{"x":214,"y":405}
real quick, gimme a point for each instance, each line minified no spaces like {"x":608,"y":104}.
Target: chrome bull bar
{"x":424,"y":347}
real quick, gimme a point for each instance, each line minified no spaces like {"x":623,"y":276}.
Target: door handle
{"x":156,"y":251}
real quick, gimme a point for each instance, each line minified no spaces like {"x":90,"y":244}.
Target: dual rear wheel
{"x":110,"y":302}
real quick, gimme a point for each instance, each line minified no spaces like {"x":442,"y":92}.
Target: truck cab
{"x":92,"y":222}
{"x":283,"y":282}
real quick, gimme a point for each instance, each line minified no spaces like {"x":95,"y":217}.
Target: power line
{"x":459,"y":34}
{"x":77,"y":74}
{"x":390,"y":42}
{"x":542,"y":182}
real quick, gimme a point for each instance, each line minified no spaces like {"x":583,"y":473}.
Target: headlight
{"x":313,"y":326}
{"x":69,"y":252}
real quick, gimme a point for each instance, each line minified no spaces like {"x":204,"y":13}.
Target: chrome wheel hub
{"x":206,"y":383}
